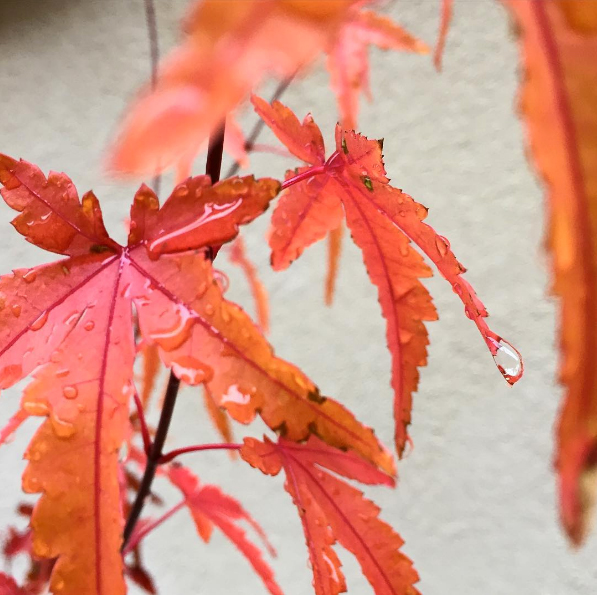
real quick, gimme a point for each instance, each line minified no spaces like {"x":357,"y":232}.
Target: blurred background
{"x":476,"y":501}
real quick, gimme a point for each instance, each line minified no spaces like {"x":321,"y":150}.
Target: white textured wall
{"x":476,"y":502}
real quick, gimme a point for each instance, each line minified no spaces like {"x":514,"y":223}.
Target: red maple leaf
{"x":333,"y":511}
{"x":384,"y":221}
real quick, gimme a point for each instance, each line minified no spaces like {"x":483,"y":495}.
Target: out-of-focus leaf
{"x":558,"y":44}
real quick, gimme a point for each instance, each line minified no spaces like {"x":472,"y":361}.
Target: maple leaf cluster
{"x":74,"y":328}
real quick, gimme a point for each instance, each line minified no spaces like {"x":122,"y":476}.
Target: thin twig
{"x":197,"y":448}
{"x":154,"y":57}
{"x":256,"y":131}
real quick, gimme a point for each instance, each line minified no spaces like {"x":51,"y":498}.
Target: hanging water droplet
{"x":70,"y":392}
{"x":89,"y":325}
{"x":506,"y":358}
{"x":40,"y":321}
{"x":16,"y":310}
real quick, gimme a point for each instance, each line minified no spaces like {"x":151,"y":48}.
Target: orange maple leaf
{"x":558,"y":52}
{"x":383,"y":220}
{"x":331,"y":510}
{"x":69,"y":324}
{"x":229,"y":48}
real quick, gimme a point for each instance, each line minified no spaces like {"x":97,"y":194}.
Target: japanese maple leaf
{"x":558,"y":43}
{"x":210,"y":507}
{"x":333,"y":511}
{"x":352,"y":184}
{"x":69,"y":325}
{"x":229,"y":48}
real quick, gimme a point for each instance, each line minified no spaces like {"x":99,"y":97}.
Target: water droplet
{"x":40,"y":321}
{"x":16,"y":310}
{"x":70,"y":392}
{"x":36,"y":407}
{"x":191,"y":371}
{"x":201,"y":289}
{"x":442,"y":245}
{"x":234,"y":395}
{"x":209,"y":309}
{"x":402,"y":213}
{"x":58,"y":585}
{"x":468,"y":313}
{"x":506,"y":358}
{"x":405,"y":336}
{"x":89,"y":325}
{"x":62,"y":429}
{"x":421,"y":211}
{"x":29,"y":276}
{"x":221,"y":280}
{"x":62,"y":373}
{"x":301,"y":381}
{"x":35,"y":455}
{"x":31,"y":485}
{"x":177,"y":333}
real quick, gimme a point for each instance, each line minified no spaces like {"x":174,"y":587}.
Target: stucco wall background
{"x":476,"y":500}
